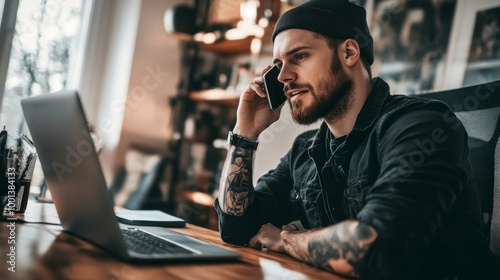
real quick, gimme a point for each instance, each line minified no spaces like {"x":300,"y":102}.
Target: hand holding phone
{"x":274,"y":88}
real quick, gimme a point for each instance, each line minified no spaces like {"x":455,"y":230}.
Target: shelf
{"x":198,"y":197}
{"x":204,"y":216}
{"x":216,"y":95}
{"x":230,"y":47}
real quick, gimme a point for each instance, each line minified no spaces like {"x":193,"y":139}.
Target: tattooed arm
{"x":339,"y":248}
{"x":236,"y":192}
{"x":253,"y":116}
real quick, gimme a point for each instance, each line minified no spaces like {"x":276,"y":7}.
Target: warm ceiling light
{"x":248,"y":10}
{"x":256,"y":45}
{"x":263,"y":22}
{"x":236,"y":34}
{"x":209,"y":38}
{"x":198,"y":36}
{"x":247,"y":27}
{"x":258,"y":31}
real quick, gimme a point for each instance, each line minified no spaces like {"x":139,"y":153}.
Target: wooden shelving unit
{"x":211,"y":113}
{"x":229,"y":47}
{"x":217,"y":96}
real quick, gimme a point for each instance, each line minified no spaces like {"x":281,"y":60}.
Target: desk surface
{"x":45,"y":252}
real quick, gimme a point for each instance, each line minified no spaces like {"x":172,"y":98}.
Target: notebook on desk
{"x":74,"y":177}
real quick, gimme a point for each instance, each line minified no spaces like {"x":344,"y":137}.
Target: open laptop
{"x":73,"y":174}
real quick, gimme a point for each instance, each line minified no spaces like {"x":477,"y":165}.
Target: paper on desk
{"x":148,"y":218}
{"x":37,"y":212}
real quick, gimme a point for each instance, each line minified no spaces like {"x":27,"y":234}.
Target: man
{"x":371,"y":203}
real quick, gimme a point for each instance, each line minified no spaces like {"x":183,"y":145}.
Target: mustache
{"x":290,"y":86}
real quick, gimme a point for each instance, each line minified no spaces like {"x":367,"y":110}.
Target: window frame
{"x":7,"y":27}
{"x":8,"y":18}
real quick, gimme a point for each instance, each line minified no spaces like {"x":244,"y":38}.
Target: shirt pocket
{"x":305,"y":202}
{"x":355,"y":196}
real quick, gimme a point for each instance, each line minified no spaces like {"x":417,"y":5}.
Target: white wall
{"x":153,"y":81}
{"x":131,"y":68}
{"x":106,"y":70}
{"x":275,"y":142}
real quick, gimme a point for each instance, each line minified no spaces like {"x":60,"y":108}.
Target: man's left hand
{"x":269,"y":237}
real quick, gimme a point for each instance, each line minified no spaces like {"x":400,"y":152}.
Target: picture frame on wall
{"x":458,"y":65}
{"x":425,"y":45}
{"x":484,"y":53}
{"x":411,"y":39}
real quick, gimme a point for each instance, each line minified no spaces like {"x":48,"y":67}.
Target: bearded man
{"x":357,"y":196}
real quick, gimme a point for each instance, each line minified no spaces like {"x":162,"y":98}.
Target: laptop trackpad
{"x":176,"y":237}
{"x":182,"y":239}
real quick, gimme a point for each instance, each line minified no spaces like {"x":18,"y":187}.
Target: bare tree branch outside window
{"x":44,"y":39}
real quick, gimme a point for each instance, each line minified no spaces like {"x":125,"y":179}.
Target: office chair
{"x":478,"y":107}
{"x":137,"y":183}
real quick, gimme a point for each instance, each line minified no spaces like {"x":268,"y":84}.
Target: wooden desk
{"x":45,"y":252}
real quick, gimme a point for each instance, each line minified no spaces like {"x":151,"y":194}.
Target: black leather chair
{"x":478,"y":107}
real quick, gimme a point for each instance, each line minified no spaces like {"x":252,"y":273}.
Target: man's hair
{"x":334,"y":45}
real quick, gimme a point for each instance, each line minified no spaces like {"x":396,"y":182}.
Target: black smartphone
{"x":274,"y":88}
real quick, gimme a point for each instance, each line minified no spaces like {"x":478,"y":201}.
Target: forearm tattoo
{"x":238,"y":187}
{"x":346,"y":243}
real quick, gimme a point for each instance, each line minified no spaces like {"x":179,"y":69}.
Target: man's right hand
{"x":254,"y":114}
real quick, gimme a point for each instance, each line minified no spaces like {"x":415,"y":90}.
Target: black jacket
{"x":404,"y":170}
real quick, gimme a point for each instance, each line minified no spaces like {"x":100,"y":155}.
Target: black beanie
{"x":338,"y":19}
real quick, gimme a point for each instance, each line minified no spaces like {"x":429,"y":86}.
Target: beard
{"x":332,"y":98}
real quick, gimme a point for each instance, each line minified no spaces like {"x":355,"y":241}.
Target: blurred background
{"x":160,"y":79}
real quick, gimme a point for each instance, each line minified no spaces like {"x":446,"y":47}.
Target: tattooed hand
{"x":269,"y":237}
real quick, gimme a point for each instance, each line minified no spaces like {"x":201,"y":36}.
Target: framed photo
{"x":410,"y":41}
{"x":465,"y":63}
{"x":484,"y":52}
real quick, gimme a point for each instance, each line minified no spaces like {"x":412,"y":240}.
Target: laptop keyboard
{"x":144,"y":243}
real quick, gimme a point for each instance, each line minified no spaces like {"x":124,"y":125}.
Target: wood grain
{"x":45,"y":252}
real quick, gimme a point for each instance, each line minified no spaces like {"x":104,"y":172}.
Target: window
{"x":41,"y":51}
{"x":46,"y":43}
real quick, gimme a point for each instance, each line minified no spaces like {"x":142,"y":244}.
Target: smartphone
{"x":274,"y":88}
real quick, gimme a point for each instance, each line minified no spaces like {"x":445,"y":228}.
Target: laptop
{"x":74,"y":177}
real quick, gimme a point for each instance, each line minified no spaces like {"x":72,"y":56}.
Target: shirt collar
{"x":373,"y":105}
{"x":366,"y":117}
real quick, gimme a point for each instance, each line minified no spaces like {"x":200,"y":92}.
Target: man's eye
{"x":300,"y":56}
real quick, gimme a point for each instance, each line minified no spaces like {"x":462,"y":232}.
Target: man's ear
{"x":351,"y":52}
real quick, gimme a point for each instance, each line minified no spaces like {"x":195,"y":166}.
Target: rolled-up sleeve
{"x":271,"y":205}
